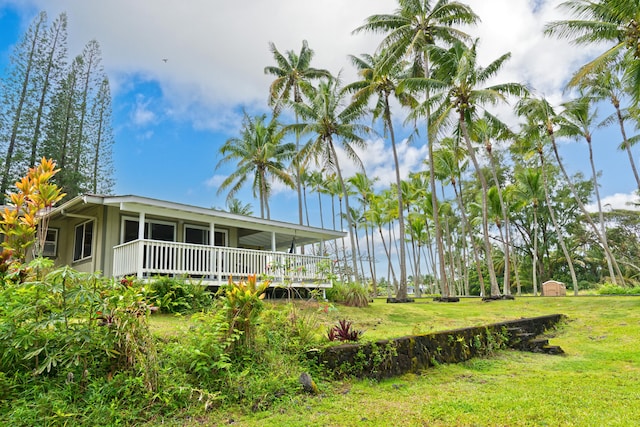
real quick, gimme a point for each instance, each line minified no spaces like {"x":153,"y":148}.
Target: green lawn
{"x":596,"y":383}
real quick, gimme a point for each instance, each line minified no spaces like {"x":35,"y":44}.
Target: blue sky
{"x":170,"y":118}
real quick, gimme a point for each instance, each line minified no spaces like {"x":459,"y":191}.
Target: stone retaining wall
{"x":388,"y":358}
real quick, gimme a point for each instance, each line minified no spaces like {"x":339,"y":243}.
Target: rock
{"x":308,"y":384}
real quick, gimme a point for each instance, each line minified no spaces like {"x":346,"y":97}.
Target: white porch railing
{"x":144,"y":258}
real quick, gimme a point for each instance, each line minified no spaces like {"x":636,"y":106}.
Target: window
{"x":200,"y":235}
{"x":50,"y":247}
{"x":83,"y":241}
{"x":153,"y":229}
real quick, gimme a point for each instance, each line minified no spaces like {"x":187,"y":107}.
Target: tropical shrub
{"x":611,"y":289}
{"x":350,"y":293}
{"x":356,"y":295}
{"x":172,"y":295}
{"x":63,"y":323}
{"x":21,"y":221}
{"x":242,"y":304}
{"x":344,"y":331}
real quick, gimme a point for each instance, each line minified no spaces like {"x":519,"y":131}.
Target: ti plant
{"x":24,"y":222}
{"x":243,"y":304}
{"x":344,"y":331}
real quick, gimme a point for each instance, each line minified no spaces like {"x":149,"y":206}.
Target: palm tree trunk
{"x":609,"y":256}
{"x":386,"y":251}
{"x":600,"y":213}
{"x":402,"y":288}
{"x":346,"y":202}
{"x":505,"y":218}
{"x":495,"y":288}
{"x":625,"y":141}
{"x":474,"y":247}
{"x":556,"y":226}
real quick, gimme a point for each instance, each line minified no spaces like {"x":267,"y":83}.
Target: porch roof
{"x":252,"y":231}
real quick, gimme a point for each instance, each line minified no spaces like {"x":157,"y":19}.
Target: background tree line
{"x":493,"y":209}
{"x":56,"y":107}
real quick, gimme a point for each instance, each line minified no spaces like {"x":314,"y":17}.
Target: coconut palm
{"x":575,"y":122}
{"x":448,"y":167}
{"x":539,"y":115}
{"x":614,"y":24}
{"x":464,"y":100}
{"x":331,"y":120}
{"x":377,"y":215}
{"x":529,"y":193}
{"x":294,"y":75}
{"x":410,"y":32}
{"x":485,"y":131}
{"x":237,"y":207}
{"x":261,"y":153}
{"x":541,"y":109}
{"x":316,"y":181}
{"x":363,"y":186}
{"x":382,"y":82}
{"x":606,"y":85}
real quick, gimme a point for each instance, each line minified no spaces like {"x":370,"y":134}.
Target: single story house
{"x":138,"y":236}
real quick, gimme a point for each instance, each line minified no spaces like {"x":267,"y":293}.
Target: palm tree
{"x":410,"y":32}
{"x":382,"y":82}
{"x":377,"y":215}
{"x":458,"y":69}
{"x":293,"y":74}
{"x":606,"y":84}
{"x":614,"y":24}
{"x":538,"y":114}
{"x":576,"y":122}
{"x":331,"y":187}
{"x":260,"y":153}
{"x":484,"y":131}
{"x":363,"y":186}
{"x":544,"y":112}
{"x":331,"y":121}
{"x":237,"y":207}
{"x":528,"y":192}
{"x":316,"y":180}
{"x":447,"y":161}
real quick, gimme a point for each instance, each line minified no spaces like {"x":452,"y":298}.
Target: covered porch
{"x":214,"y":265}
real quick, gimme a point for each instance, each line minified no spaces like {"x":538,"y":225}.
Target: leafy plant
{"x":356,"y":295}
{"x":242,"y":302}
{"x":70,"y":325}
{"x":22,"y":222}
{"x":172,"y":295}
{"x":344,"y":331}
{"x":350,"y":294}
{"x":610,"y":289}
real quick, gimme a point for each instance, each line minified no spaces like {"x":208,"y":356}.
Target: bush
{"x":350,"y":294}
{"x":173,"y":295}
{"x":610,"y":289}
{"x":344,"y":331}
{"x":61,"y":333}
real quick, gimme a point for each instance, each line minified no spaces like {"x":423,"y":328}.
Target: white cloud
{"x":215,"y":181}
{"x":216,"y":51}
{"x":141,"y":115}
{"x":616,"y":201}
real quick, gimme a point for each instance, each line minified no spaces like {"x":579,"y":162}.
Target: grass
{"x":597,"y":381}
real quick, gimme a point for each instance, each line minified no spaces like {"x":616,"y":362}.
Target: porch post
{"x":279,"y":260}
{"x":140,"y":244}
{"x":215,"y":260}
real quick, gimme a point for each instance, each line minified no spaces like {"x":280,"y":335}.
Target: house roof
{"x":252,"y":231}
